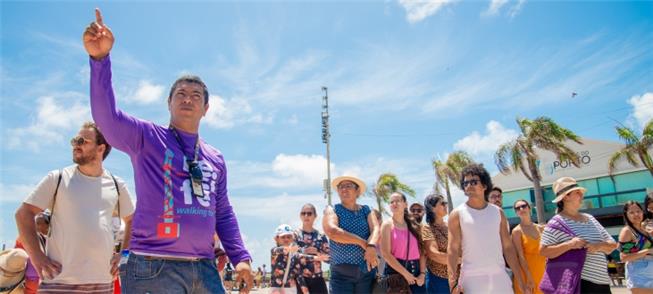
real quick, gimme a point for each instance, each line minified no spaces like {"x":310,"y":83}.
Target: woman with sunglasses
{"x":526,"y":238}
{"x":636,"y":249}
{"x":312,"y":242}
{"x":401,"y":246}
{"x":435,"y":237}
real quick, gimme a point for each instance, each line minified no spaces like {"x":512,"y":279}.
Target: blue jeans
{"x":435,"y":284}
{"x":141,"y":275}
{"x":350,"y":278}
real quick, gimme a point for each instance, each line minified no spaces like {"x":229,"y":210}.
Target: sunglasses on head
{"x":306,"y":213}
{"x":79,"y":140}
{"x":520,"y":207}
{"x":473,"y":182}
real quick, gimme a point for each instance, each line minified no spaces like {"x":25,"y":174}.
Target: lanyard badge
{"x":196,"y":178}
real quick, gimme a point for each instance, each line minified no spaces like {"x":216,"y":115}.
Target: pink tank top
{"x":398,"y":244}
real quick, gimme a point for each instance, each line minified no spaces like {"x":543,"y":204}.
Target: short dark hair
{"x":99,"y":138}
{"x":495,"y":188}
{"x":431,"y":201}
{"x":190,"y":79}
{"x":477,"y":169}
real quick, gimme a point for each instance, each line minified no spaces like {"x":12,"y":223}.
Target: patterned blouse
{"x":439,"y":234}
{"x":638,"y":243}
{"x":317,"y":240}
{"x":278,"y":268}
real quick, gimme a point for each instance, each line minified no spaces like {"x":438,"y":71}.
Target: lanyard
{"x":183,"y":147}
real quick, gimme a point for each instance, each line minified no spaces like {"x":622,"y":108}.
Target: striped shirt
{"x":595,"y":269}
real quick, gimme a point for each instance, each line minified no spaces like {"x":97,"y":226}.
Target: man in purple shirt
{"x":180,"y":181}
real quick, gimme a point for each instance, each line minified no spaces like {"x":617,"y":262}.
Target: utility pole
{"x":325,"y":139}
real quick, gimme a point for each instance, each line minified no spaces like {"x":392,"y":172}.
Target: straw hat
{"x":12,"y":267}
{"x":564,"y":186}
{"x":357,"y":181}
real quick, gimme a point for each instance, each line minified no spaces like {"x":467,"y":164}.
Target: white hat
{"x":12,"y":266}
{"x":283,"y":230}
{"x":357,"y":181}
{"x":564,"y":186}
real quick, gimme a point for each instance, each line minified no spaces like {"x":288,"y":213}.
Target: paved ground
{"x":615,"y":290}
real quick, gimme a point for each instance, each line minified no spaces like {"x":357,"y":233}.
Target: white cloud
{"x":225,"y":114}
{"x":14,"y":193}
{"x":418,"y":10}
{"x":146,"y":93}
{"x":516,"y":9}
{"x":285,"y":171}
{"x":485,"y":145}
{"x":642,"y":108}
{"x":495,"y":6}
{"x":53,"y":118}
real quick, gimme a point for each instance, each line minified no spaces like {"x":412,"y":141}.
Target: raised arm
{"x":121,"y":130}
{"x":454,"y":250}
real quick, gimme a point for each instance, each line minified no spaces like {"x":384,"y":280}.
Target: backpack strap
{"x":115,"y":183}
{"x":54,"y":200}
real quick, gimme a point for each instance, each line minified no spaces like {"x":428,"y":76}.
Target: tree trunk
{"x":378,"y":202}
{"x":449,"y":202}
{"x":539,"y":198}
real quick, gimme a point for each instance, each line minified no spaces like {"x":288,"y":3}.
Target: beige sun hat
{"x":563,"y":186}
{"x":12,"y":266}
{"x":361,"y":185}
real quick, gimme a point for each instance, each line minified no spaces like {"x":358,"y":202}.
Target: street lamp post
{"x":325,"y":139}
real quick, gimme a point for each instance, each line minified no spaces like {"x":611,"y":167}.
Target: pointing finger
{"x":98,"y":16}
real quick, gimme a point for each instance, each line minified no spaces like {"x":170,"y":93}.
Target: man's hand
{"x":371,"y":258}
{"x":321,"y":257}
{"x":115,"y":259}
{"x":45,"y":267}
{"x":244,"y":270}
{"x":98,"y":38}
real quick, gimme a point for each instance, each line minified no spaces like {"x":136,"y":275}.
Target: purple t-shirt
{"x":169,"y":219}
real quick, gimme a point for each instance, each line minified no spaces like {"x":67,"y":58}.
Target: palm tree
{"x":449,"y":171}
{"x":636,"y":149}
{"x":519,"y":154}
{"x":387,"y":184}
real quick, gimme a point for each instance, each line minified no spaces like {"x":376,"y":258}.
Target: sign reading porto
{"x":583,"y":157}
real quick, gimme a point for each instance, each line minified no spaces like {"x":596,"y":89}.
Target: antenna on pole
{"x":325,"y":139}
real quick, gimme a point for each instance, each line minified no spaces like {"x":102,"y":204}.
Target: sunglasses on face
{"x":79,"y":140}
{"x":347,"y":186}
{"x":520,"y":207}
{"x":416,"y":210}
{"x":306,"y":213}
{"x":444,"y":203}
{"x":470,"y":183}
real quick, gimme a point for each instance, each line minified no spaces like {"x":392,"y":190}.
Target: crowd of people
{"x":182,"y":236}
{"x":470,"y":250}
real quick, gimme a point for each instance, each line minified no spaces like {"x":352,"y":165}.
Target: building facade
{"x":605,"y":195}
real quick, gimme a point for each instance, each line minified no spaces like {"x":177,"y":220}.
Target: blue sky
{"x":408,"y":82}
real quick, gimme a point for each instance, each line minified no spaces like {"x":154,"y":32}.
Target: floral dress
{"x":317,"y":240}
{"x":278,"y":268}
